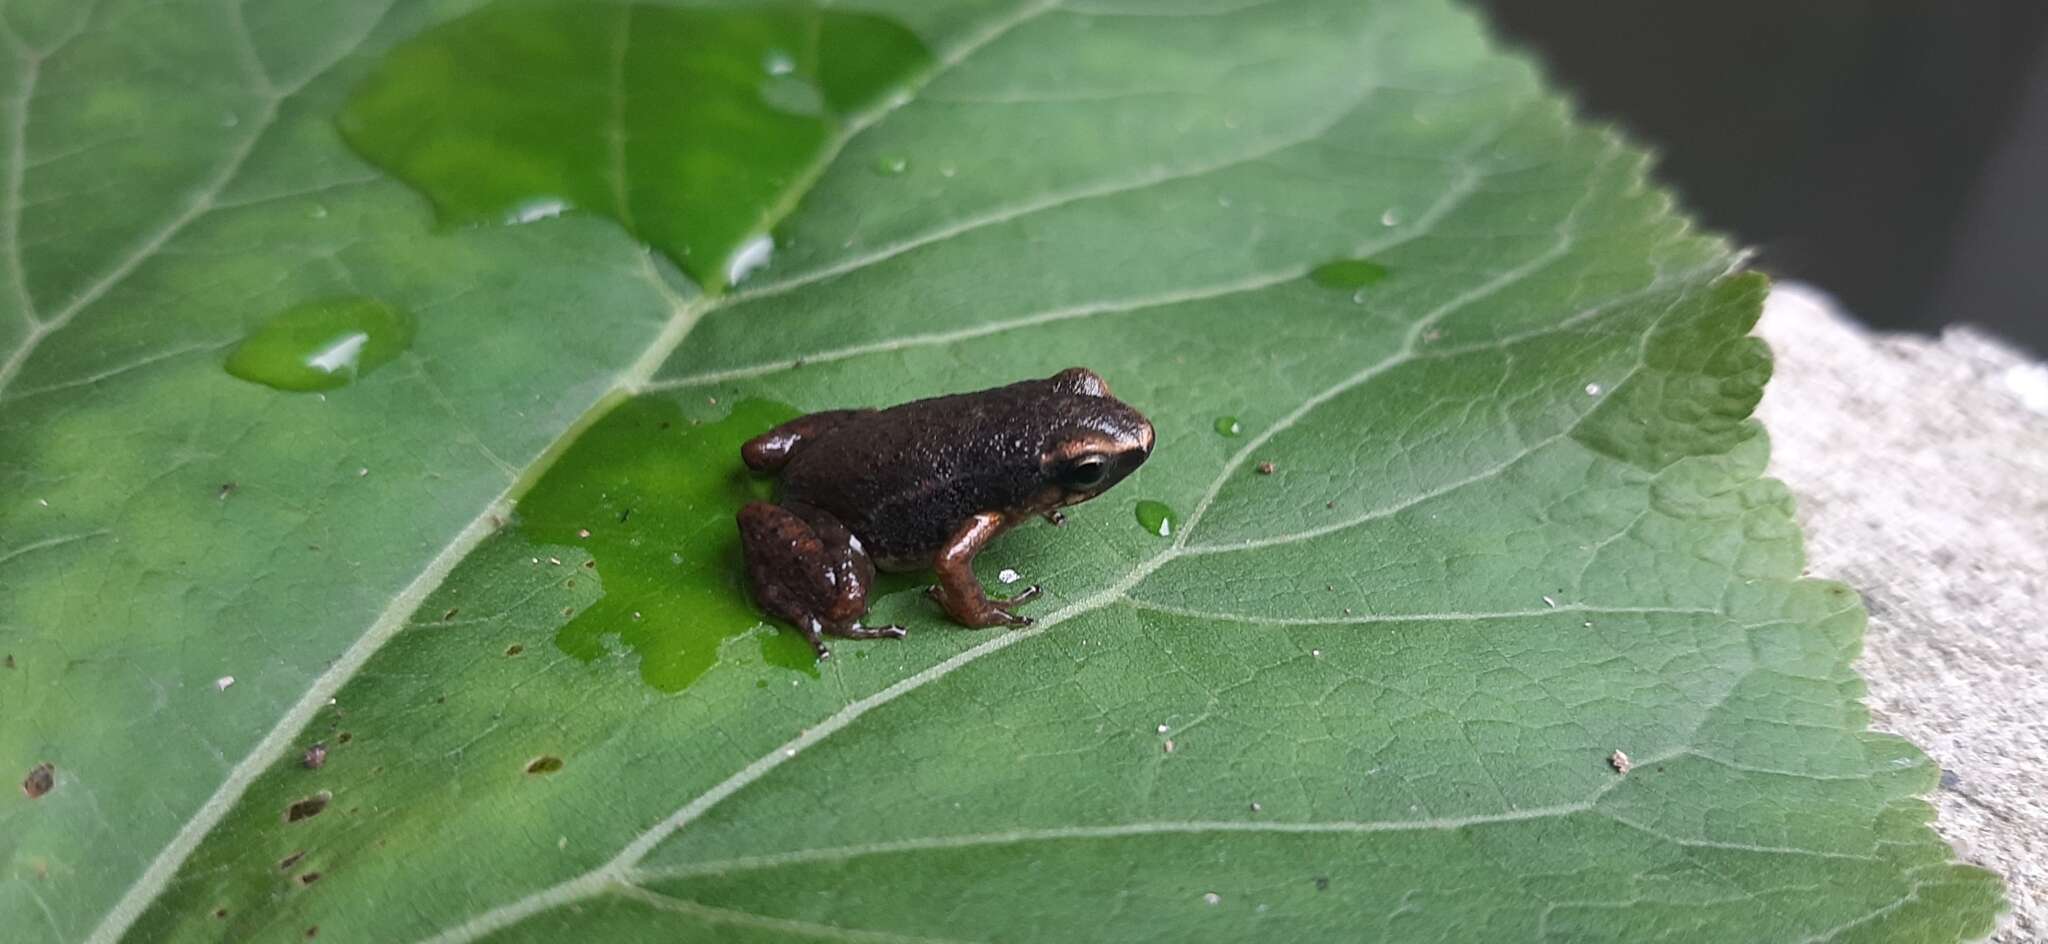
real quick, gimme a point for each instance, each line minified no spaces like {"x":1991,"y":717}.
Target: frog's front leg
{"x":807,"y":569}
{"x":958,"y":590}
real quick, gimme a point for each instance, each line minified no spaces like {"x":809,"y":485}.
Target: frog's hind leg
{"x":807,"y":569}
{"x":771,"y":450}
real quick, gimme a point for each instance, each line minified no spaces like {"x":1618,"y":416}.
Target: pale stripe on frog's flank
{"x":275,"y":743}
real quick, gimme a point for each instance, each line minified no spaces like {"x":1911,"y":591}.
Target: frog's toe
{"x":1021,"y":597}
{"x":857,"y":631}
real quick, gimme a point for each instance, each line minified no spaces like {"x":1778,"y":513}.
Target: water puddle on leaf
{"x":1157,"y":518}
{"x":1349,"y":275}
{"x":1228,"y":426}
{"x":686,"y":126}
{"x":651,"y":497}
{"x":321,"y":345}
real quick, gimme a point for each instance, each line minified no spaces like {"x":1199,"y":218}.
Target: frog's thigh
{"x":842,"y":569}
{"x":769,"y":451}
{"x":802,"y":563}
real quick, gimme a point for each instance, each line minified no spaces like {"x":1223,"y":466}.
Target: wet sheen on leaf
{"x":650,"y":496}
{"x":687,"y":126}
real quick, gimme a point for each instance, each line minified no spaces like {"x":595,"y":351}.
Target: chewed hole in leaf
{"x":41,"y":779}
{"x":308,"y":808}
{"x":544,"y":764}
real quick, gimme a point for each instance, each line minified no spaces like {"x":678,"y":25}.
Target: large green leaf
{"x":1492,"y":510}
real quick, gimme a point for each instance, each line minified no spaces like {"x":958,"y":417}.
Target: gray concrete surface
{"x":1921,"y":468}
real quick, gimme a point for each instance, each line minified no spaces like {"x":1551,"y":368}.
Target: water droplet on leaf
{"x":322,"y":345}
{"x":1157,"y":518}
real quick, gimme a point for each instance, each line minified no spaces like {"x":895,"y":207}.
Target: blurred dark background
{"x":1894,"y":154}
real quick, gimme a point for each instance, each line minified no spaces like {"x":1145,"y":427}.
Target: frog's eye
{"x":1085,"y":472}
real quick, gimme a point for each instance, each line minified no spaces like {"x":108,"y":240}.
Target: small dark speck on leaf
{"x":226,"y":489}
{"x":1330,"y":505}
{"x":450,"y":614}
{"x":514,"y":649}
{"x":309,"y":878}
{"x":544,"y":764}
{"x":312,"y":932}
{"x":308,"y":807}
{"x":344,"y":737}
{"x":1256,"y":808}
{"x":1322,"y":883}
{"x":285,"y":864}
{"x":8,"y":660}
{"x":590,"y":564}
{"x":1951,"y":780}
{"x":628,"y":513}
{"x":220,"y":912}
{"x":1265,"y":468}
{"x":315,"y":757}
{"x":568,"y":611}
{"x":40,"y":780}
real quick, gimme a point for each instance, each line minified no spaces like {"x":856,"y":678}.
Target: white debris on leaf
{"x":1009,"y":576}
{"x":222,"y":683}
{"x":1620,"y":762}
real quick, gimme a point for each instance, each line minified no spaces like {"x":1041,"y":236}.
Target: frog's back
{"x":905,"y":478}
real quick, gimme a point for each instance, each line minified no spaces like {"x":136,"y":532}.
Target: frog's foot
{"x":814,"y":633}
{"x":1055,"y":517}
{"x":980,"y":612}
{"x":857,"y":631}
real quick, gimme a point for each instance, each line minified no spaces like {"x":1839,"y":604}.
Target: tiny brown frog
{"x":925,"y":485}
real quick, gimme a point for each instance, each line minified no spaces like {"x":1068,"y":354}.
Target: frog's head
{"x":1099,"y":442}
